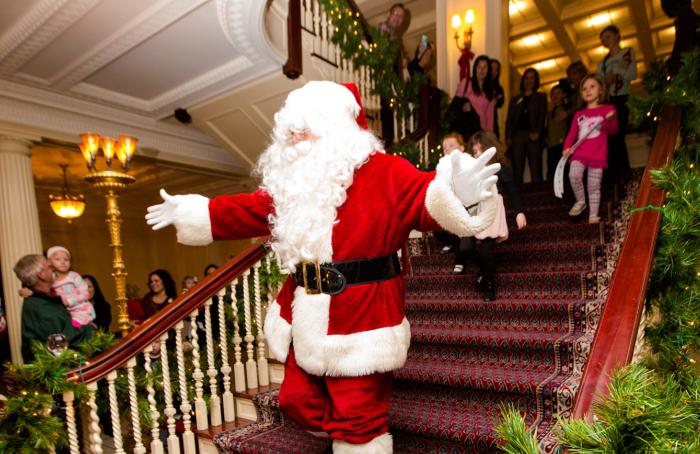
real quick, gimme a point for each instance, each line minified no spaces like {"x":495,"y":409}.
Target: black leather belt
{"x":335,"y":276}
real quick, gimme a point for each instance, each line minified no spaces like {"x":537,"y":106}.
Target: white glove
{"x":162,"y":215}
{"x":472,"y":179}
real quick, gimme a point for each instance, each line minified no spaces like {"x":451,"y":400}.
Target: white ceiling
{"x":146,"y":57}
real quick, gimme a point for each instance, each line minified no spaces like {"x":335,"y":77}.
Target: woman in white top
{"x":618,"y":69}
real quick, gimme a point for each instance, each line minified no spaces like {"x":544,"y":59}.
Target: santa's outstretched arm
{"x":462,"y":181}
{"x":199,"y":220}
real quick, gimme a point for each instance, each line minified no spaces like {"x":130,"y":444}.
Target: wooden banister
{"x":293,"y":68}
{"x":615,"y":338}
{"x":161,"y":322}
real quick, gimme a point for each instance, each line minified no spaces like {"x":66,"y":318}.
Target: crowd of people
{"x":586,"y":122}
{"x":60,"y":301}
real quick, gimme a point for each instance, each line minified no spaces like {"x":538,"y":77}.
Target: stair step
{"x":451,"y":414}
{"x":509,"y":285}
{"x":476,"y":376}
{"x":521,"y":256}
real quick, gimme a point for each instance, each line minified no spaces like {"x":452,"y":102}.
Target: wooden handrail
{"x":616,"y":336}
{"x":150,"y":330}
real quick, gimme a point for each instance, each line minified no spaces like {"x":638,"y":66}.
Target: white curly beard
{"x":308,"y":182}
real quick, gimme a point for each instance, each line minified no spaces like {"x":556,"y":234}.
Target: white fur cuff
{"x":444,"y":206}
{"x":192,"y":220}
{"x":278,"y":333}
{"x":382,"y":444}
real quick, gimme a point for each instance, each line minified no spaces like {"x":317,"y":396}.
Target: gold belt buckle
{"x":317,"y":269}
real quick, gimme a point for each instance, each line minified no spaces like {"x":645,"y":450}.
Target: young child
{"x":587,"y":142}
{"x":556,"y":130}
{"x":498,"y":231}
{"x":452,"y":142}
{"x":70,"y":286}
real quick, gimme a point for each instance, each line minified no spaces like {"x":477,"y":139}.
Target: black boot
{"x":489,"y":289}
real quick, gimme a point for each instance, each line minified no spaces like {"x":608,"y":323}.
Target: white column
{"x":19,"y":228}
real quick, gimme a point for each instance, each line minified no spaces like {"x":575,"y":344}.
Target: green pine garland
{"x":29,"y":423}
{"x":379,"y":55}
{"x":655,"y":407}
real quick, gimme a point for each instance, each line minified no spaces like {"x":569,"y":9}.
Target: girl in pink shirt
{"x":70,"y":286}
{"x":587,"y":141}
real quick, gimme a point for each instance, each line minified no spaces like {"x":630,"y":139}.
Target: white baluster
{"x":251,"y":373}
{"x":139,"y":448}
{"x":73,"y":443}
{"x":173,"y":441}
{"x":114,"y":413}
{"x":214,"y":401}
{"x":200,"y":407}
{"x":398,"y":136}
{"x":156,"y":444}
{"x":238,"y":367}
{"x":317,"y":28}
{"x":307,"y":16}
{"x":263,"y":372}
{"x":227,"y":396}
{"x":324,"y":34}
{"x":185,"y":407}
{"x":94,"y":430}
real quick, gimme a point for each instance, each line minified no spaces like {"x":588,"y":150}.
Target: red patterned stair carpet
{"x":469,"y":357}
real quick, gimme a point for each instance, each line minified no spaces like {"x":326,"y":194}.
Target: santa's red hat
{"x":323,"y":107}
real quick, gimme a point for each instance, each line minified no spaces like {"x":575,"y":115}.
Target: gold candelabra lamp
{"x":110,"y":182}
{"x":467,"y":31}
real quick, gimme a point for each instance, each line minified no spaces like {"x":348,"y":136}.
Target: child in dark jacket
{"x":483,"y":255}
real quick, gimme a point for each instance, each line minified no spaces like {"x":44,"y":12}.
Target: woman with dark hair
{"x":103,"y":311}
{"x":525,"y":126}
{"x":498,"y":93}
{"x":209,"y":269}
{"x":479,"y":103}
{"x":162,"y":291}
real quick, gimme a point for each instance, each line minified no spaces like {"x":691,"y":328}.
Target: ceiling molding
{"x":39,"y":97}
{"x":243,"y":23}
{"x":34,"y":31}
{"x":146,"y":24}
{"x":153,"y":141}
{"x":578,"y":10}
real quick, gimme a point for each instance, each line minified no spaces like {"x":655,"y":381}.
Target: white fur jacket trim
{"x":382,"y":444}
{"x":192,"y":220}
{"x":336,"y":355}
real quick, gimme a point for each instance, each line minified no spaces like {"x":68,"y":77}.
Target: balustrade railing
{"x":316,"y":31}
{"x":163,"y":382}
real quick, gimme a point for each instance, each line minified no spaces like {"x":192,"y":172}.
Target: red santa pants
{"x":352,"y":409}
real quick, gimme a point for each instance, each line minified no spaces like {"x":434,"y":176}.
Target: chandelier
{"x":67,"y":206}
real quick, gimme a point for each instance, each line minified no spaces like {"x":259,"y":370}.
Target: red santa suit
{"x":337,"y":375}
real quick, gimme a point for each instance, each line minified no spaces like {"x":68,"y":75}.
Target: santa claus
{"x":338,"y":209}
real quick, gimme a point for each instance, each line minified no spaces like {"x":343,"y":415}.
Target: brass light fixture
{"x":66,"y":205}
{"x":110,"y":182}
{"x":467,"y":32}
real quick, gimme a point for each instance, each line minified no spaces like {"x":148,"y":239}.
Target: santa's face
{"x":302,"y":136}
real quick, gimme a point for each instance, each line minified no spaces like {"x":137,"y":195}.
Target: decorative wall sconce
{"x":466,"y":27}
{"x":66,"y":205}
